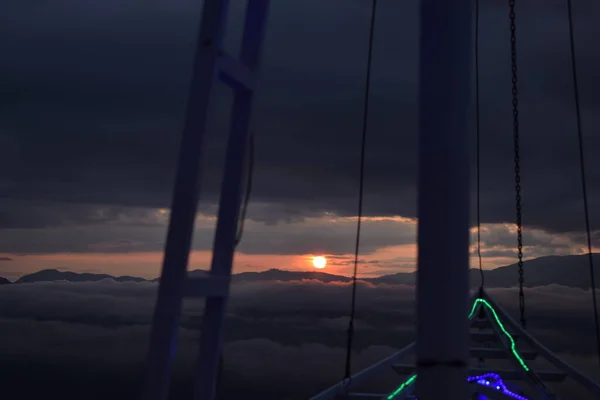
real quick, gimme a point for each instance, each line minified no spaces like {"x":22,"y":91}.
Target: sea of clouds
{"x":292,"y":333}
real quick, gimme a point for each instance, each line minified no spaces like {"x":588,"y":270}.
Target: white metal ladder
{"x":210,"y":62}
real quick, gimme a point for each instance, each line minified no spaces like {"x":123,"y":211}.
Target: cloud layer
{"x":276,"y":332}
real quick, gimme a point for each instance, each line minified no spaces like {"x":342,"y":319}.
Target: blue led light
{"x":491,"y":380}
{"x":494,"y":381}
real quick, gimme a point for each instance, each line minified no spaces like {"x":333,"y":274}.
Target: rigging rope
{"x":249,"y":174}
{"x":478,"y":141}
{"x":515,"y":103}
{"x":478,"y":151}
{"x":583,"y":180}
{"x":367,"y":92}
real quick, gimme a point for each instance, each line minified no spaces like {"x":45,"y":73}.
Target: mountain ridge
{"x":571,"y":270}
{"x":49,"y":275}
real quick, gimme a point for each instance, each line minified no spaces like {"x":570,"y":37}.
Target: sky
{"x":92,"y":100}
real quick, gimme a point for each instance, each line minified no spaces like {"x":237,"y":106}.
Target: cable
{"x":250,"y":173}
{"x":515,"y":103}
{"x":478,"y":152}
{"x":583,"y":180}
{"x":478,"y":142}
{"x":367,"y":92}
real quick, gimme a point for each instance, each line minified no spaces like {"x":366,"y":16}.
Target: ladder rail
{"x":532,"y":378}
{"x":184,"y":204}
{"x":209,"y":63}
{"x":364,"y":375}
{"x":229,"y":203}
{"x":543,"y":351}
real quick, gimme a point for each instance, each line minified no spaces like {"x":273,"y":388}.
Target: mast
{"x":443,"y":200}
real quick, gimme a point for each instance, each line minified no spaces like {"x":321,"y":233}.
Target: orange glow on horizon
{"x":388,"y":260}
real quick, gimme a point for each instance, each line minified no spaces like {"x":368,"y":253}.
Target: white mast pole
{"x":443,"y":199}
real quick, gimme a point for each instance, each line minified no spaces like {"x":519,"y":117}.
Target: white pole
{"x":443,"y":199}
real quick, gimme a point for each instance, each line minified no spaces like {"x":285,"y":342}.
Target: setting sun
{"x":319,"y":262}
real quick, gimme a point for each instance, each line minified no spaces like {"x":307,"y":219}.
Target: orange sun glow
{"x":319,"y":262}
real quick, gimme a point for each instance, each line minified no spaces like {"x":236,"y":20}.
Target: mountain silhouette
{"x":572,"y":271}
{"x":50,"y":275}
{"x":4,"y":281}
{"x":282,"y":275}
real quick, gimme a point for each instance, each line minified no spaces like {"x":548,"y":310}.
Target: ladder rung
{"x":234,"y":73}
{"x":210,"y":286}
{"x":481,"y":323}
{"x":497,"y":353}
{"x":488,"y":337}
{"x":365,"y":396}
{"x":505,"y":374}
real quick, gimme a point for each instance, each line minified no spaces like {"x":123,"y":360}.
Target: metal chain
{"x":478,"y":135}
{"x":515,"y":103}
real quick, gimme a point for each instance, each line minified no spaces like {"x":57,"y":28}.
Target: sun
{"x":319,"y":262}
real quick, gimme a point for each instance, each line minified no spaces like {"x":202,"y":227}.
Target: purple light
{"x":490,"y":380}
{"x":494,"y":381}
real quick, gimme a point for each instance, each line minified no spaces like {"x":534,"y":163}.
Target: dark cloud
{"x":93,"y":99}
{"x":500,"y":240}
{"x":114,"y":230}
{"x":5,"y":259}
{"x":37,"y":214}
{"x":118,"y":229}
{"x":278,"y":334}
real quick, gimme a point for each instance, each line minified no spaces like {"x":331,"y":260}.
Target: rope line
{"x":478,"y":141}
{"x":250,"y":173}
{"x":367,"y":92}
{"x":583,"y":175}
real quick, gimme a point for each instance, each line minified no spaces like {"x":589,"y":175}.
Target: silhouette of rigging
{"x":445,"y":36}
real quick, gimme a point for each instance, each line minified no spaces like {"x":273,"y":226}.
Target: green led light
{"x":402,"y":387}
{"x":513,"y":346}
{"x":473,"y":308}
